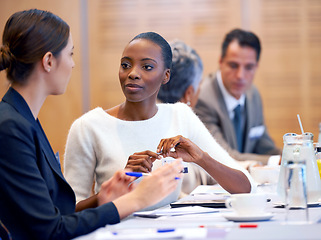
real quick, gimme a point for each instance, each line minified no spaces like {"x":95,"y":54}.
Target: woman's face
{"x":63,"y":69}
{"x":142,"y":71}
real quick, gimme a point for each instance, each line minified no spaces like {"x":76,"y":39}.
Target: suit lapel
{"x":226,"y":122}
{"x":47,"y":150}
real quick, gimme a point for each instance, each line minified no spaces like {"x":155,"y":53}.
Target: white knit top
{"x":99,"y":144}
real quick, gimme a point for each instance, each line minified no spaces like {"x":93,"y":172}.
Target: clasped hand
{"x":176,"y":147}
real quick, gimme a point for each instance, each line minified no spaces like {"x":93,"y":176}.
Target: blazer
{"x":36,"y":202}
{"x":212,"y":110}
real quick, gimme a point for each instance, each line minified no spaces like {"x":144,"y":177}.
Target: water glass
{"x":296,"y":192}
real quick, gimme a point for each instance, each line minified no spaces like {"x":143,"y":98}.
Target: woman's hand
{"x":111,"y":189}
{"x":115,"y":187}
{"x":183,"y":148}
{"x":142,"y":161}
{"x":151,"y":189}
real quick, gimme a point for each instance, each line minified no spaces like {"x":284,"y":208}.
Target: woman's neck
{"x":131,"y":111}
{"x":32,"y":95}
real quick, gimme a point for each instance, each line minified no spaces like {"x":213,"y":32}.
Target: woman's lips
{"x":133,"y":87}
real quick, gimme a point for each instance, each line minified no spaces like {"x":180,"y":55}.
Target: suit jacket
{"x":212,"y":110}
{"x":35,"y":200}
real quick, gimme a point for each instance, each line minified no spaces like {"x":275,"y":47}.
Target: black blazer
{"x":36,"y":202}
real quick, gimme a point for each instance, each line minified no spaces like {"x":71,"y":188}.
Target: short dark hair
{"x":161,"y":42}
{"x":27,"y":37}
{"x":244,"y":38}
{"x":187,"y":70}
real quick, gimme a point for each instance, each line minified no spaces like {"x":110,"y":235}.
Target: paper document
{"x":151,"y":233}
{"x":175,"y":211}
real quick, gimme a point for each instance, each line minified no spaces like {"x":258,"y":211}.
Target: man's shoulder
{"x":210,"y":78}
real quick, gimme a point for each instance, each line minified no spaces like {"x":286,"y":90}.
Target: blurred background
{"x":289,"y":74}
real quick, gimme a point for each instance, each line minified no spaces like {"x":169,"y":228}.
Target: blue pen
{"x":137,"y":174}
{"x":140,"y":174}
{"x":164,"y":230}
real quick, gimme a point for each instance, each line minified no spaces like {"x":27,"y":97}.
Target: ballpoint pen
{"x":137,"y":174}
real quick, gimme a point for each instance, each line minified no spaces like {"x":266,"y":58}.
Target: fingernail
{"x":177,"y":178}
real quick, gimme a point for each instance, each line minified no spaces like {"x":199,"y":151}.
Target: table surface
{"x":213,"y":225}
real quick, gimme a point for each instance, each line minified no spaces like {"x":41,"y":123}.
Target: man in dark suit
{"x":230,"y":105}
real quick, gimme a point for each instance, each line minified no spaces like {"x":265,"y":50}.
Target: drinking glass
{"x":296,"y":202}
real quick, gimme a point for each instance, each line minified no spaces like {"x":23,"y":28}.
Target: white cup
{"x":247,"y":204}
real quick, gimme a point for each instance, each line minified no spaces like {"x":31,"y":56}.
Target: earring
{"x":48,"y":70}
{"x":188,"y":103}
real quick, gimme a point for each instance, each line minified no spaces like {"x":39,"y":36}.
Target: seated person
{"x":126,"y":136}
{"x":36,"y":201}
{"x":230,"y":105}
{"x":186,"y":76}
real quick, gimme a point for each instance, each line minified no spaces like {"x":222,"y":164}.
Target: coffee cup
{"x":247,"y":204}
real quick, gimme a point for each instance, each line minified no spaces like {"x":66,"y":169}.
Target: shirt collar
{"x":230,"y":101}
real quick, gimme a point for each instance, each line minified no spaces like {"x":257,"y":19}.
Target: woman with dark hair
{"x":36,"y":201}
{"x":127,"y":136}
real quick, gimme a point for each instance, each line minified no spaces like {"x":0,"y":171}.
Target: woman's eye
{"x":125,"y":65}
{"x":148,"y":67}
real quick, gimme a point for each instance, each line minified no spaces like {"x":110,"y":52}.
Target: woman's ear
{"x":167,"y":76}
{"x":47,"y":61}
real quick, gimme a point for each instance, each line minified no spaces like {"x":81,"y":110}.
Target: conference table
{"x":214,"y":224}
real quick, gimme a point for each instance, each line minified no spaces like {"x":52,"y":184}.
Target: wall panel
{"x":289,"y":76}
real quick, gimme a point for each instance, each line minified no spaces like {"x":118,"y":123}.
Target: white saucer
{"x":243,"y":218}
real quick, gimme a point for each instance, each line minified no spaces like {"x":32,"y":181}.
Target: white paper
{"x":175,"y":211}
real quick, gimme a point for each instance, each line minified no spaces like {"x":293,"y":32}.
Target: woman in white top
{"x":127,"y":136}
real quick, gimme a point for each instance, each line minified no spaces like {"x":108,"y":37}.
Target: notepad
{"x":202,"y":199}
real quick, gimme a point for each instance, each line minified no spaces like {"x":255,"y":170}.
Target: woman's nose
{"x":134,"y":73}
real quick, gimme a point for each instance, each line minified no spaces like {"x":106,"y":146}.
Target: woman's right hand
{"x":151,"y":189}
{"x":183,"y":148}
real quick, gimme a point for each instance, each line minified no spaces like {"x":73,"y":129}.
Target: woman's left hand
{"x":142,"y":161}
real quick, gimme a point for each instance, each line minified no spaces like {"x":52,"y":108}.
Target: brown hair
{"x":27,"y":37}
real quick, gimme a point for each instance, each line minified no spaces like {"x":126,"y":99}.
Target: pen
{"x":248,"y":226}
{"x":137,"y":174}
{"x":142,"y":231}
{"x":140,"y":174}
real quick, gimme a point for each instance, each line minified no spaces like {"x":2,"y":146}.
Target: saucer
{"x":247,"y":218}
